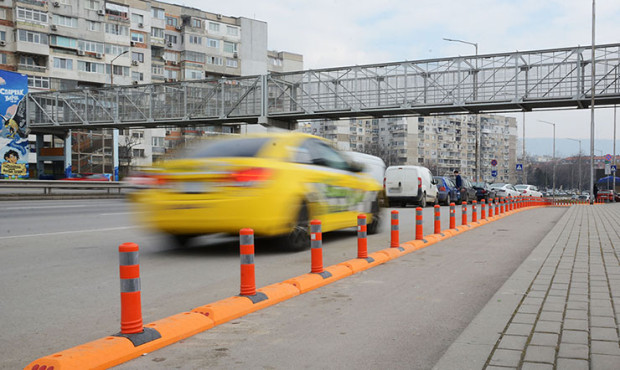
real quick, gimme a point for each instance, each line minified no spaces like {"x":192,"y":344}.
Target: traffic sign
{"x":494,"y":162}
{"x":607,"y":157}
{"x":613,"y":168}
{"x":519,"y":167}
{"x":494,"y":173}
{"x":607,"y":169}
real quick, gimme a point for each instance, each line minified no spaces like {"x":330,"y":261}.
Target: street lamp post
{"x":112,"y":66}
{"x":475,"y":45}
{"x":579,"y":168}
{"x":115,"y":131}
{"x":551,"y":123}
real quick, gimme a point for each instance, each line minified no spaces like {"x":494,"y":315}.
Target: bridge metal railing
{"x":521,"y":80}
{"x":40,"y":189}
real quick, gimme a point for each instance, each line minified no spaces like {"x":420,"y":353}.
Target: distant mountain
{"x":566,"y":147}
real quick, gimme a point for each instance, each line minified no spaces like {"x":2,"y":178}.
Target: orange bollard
{"x":395,"y":233}
{"x":464,"y":213}
{"x":474,"y":212}
{"x":437,"y":219}
{"x":483,"y":206}
{"x":131,"y":304}
{"x":419,"y":227}
{"x":362,"y":241}
{"x":248,"y":278}
{"x":490,"y":207}
{"x":452,"y":216}
{"x":501,"y":206}
{"x":497,"y":206}
{"x":316,"y":246}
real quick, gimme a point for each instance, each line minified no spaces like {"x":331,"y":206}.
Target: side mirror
{"x":356,"y":167}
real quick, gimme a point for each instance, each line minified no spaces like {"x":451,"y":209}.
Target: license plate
{"x":193,"y":187}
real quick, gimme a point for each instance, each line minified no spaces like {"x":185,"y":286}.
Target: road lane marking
{"x":68,"y":232}
{"x":41,"y":207}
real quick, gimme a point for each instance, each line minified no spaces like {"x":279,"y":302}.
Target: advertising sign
{"x":13,"y":133}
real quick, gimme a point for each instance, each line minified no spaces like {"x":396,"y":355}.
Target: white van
{"x":410,"y":184}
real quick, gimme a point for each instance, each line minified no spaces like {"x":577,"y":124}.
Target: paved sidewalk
{"x":561,"y":307}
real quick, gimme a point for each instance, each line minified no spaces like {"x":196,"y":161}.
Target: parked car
{"x":468,"y":192}
{"x":504,"y":190}
{"x":273,"y":183}
{"x":447,"y":190}
{"x":528,"y":190}
{"x":484,"y":191}
{"x":410,"y":184}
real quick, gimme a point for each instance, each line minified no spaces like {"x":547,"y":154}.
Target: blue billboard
{"x":13,"y":133}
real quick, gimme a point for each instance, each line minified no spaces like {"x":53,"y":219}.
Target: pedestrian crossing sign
{"x":519,"y":167}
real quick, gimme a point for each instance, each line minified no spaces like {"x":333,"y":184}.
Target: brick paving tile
{"x":605,"y":362}
{"x":554,"y":327}
{"x":603,"y":322}
{"x":524,"y":318}
{"x":605,"y":348}
{"x":608,"y":334}
{"x":506,"y":357}
{"x":572,"y":324}
{"x":551,"y":316}
{"x":540,"y":354}
{"x":516,"y":342}
{"x":536,"y":366}
{"x":544,"y":339}
{"x":572,"y":364}
{"x":519,"y":329}
{"x":577,"y":314}
{"x":578,"y":351}
{"x":575,"y":337}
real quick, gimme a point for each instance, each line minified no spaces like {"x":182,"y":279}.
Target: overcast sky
{"x":335,"y":33}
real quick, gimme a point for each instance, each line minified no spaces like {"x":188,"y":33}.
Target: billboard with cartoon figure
{"x":13,"y":133}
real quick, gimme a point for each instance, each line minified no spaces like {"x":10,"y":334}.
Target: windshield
{"x":521,"y":187}
{"x":242,"y":147}
{"x":498,"y":185}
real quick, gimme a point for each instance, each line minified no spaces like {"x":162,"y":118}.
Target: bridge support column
{"x":40,"y":162}
{"x":68,"y":147}
{"x":115,"y":153}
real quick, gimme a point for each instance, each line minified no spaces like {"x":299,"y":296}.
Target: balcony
{"x":31,"y":68}
{"x":33,"y":2}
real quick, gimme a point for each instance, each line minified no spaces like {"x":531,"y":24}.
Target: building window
{"x":2,"y":13}
{"x":3,"y":58}
{"x":158,"y":13}
{"x":232,"y":31}
{"x":213,"y":43}
{"x":115,"y":50}
{"x":39,"y":82}
{"x":92,"y":4}
{"x":63,"y":63}
{"x":232,"y":63}
{"x":91,"y":67}
{"x":196,"y":23}
{"x":171,"y":21}
{"x":171,"y":39}
{"x":137,"y":37}
{"x":93,"y":26}
{"x":137,"y":76}
{"x":117,"y":10}
{"x":171,"y":74}
{"x":31,"y":15}
{"x":3,"y":35}
{"x":195,"y":39}
{"x":215,"y":61}
{"x":61,"y":20}
{"x":230,"y":47}
{"x":157,"y":32}
{"x":137,"y":56}
{"x":63,"y":42}
{"x":138,"y":153}
{"x":34,"y":37}
{"x":92,"y":47}
{"x":191,"y":74}
{"x":27,"y":61}
{"x":137,"y":18}
{"x":214,"y":27}
{"x":171,"y":57}
{"x":193,"y":56}
{"x":116,"y":29}
{"x":157,"y":70}
{"x":119,"y":70}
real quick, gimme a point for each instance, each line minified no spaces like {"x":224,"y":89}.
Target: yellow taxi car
{"x":274,"y":183}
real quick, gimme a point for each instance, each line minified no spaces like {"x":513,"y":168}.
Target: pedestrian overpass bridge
{"x":516,"y":81}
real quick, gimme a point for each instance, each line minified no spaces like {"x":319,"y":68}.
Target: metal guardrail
{"x":47,"y":188}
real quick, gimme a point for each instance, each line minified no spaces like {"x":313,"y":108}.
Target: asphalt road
{"x":59,"y":282}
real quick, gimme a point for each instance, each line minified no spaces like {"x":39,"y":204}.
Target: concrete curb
{"x":111,"y":351}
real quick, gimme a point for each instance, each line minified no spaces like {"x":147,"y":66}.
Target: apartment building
{"x":75,"y":44}
{"x":441,"y":143}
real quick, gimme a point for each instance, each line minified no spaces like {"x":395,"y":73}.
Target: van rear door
{"x":401,"y":181}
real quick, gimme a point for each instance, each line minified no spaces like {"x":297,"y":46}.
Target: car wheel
{"x":373,"y":227}
{"x":180,"y":241}
{"x":423,"y":200}
{"x":299,"y":237}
